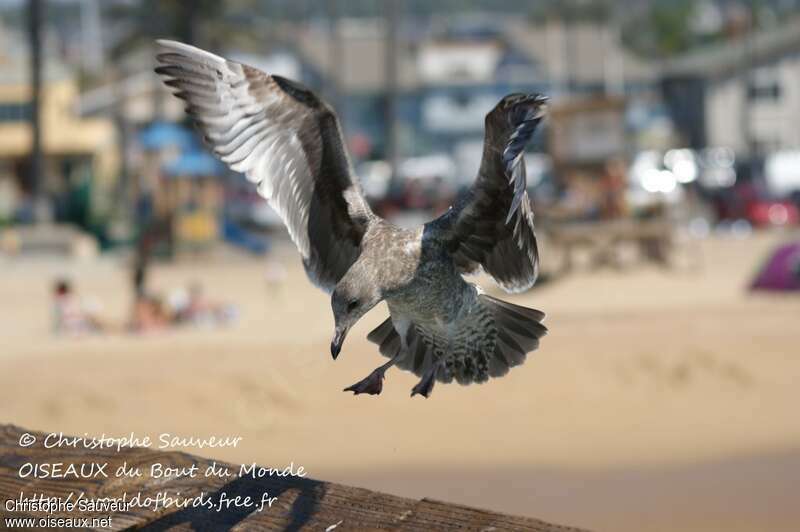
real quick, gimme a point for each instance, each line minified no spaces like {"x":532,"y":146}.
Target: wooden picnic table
{"x":654,"y":238}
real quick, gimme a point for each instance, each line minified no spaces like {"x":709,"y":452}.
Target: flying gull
{"x":287,"y":140}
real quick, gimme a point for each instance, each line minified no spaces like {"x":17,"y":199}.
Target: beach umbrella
{"x":194,"y":164}
{"x":160,"y":135}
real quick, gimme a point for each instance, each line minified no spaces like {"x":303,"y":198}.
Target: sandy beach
{"x":660,"y":400}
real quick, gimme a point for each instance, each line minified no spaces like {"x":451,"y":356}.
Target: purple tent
{"x":782,"y":270}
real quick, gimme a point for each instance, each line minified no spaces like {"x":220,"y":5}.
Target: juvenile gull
{"x":286,"y":139}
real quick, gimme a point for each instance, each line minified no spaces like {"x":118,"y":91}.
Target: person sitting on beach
{"x":70,"y":315}
{"x":191,"y":306}
{"x":149,"y":314}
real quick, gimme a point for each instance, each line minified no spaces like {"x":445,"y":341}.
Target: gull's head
{"x":354,"y":296}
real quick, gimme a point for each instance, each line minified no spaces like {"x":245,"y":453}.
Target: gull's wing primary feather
{"x":284,"y":138}
{"x":491,"y":227}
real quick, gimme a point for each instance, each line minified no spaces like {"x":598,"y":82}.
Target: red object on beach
{"x":772,"y":213}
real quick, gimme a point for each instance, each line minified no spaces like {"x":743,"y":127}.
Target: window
{"x":764,"y":84}
{"x":15,"y":112}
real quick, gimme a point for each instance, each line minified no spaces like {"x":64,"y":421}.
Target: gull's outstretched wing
{"x":284,"y":138}
{"x":492,"y":226}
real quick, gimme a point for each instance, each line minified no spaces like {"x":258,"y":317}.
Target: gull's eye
{"x":351,"y":306}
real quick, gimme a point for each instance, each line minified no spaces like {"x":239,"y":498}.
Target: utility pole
{"x":92,"y":47}
{"x":187,"y":22}
{"x":391,"y":16}
{"x":613,"y":64}
{"x":748,"y":62}
{"x":35,"y":45}
{"x":335,"y":58}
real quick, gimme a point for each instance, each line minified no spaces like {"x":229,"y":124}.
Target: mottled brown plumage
{"x":288,"y":141}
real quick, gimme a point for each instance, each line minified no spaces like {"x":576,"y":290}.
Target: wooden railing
{"x":215,"y":502}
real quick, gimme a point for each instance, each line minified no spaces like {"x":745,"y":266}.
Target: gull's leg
{"x":425,"y":385}
{"x":373,"y":383}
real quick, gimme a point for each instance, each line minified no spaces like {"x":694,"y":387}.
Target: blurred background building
{"x":666,"y":186}
{"x":658,"y":107}
{"x":77,"y":151}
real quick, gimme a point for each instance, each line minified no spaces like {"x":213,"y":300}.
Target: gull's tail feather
{"x":518,"y":332}
{"x":422,"y":348}
{"x":387,"y":338}
{"x":500,"y":339}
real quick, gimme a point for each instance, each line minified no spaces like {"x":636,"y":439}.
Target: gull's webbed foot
{"x":372,"y":385}
{"x":425,"y":386}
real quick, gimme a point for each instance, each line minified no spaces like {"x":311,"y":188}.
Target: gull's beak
{"x":338,"y":339}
